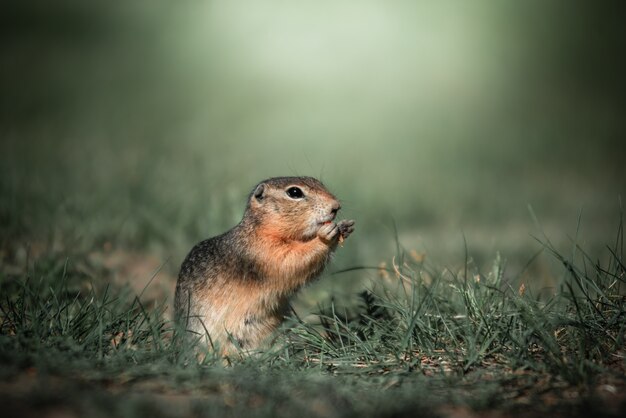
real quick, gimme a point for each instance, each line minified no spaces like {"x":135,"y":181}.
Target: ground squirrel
{"x":234,"y":288}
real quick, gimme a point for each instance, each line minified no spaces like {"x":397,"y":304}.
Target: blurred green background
{"x":145,"y":123}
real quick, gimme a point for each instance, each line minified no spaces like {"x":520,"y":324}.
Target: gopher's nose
{"x":335,"y":208}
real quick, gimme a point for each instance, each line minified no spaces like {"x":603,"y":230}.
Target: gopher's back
{"x":199,"y":269}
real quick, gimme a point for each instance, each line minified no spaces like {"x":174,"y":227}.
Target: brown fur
{"x":234,"y":288}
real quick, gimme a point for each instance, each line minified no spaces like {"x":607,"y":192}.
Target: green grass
{"x":418,"y":338}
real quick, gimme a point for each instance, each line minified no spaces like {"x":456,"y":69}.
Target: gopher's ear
{"x":258,"y":192}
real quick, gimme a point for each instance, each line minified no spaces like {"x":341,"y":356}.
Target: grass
{"x":440,"y":341}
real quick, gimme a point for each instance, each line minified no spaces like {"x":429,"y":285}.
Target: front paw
{"x":328,"y":232}
{"x":346,"y":227}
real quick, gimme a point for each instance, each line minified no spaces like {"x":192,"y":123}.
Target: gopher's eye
{"x":295,"y":193}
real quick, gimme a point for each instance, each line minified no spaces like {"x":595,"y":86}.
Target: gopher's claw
{"x":339,"y":231}
{"x":328,"y":231}
{"x":346,"y":227}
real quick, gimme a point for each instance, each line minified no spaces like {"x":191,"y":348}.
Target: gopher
{"x":234,"y":288}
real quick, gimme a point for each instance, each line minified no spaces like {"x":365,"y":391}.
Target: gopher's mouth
{"x":327,"y":219}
